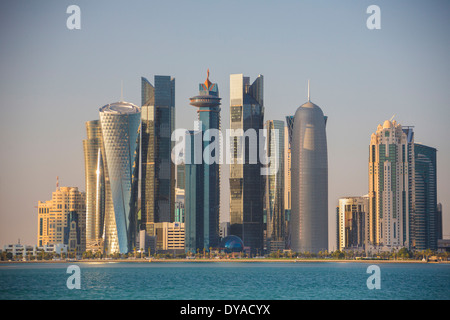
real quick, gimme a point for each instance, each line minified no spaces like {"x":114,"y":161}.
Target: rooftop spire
{"x":207,"y":82}
{"x":121,"y":91}
{"x":309,"y":100}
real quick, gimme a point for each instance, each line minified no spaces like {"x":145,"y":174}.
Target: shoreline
{"x":243,"y":260}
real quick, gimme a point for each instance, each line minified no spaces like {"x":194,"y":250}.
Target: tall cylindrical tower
{"x":309,"y":216}
{"x":120,"y":123}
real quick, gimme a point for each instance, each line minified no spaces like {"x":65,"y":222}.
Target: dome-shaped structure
{"x":232,"y":244}
{"x":387,"y":124}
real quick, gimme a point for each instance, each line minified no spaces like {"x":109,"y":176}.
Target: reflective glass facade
{"x":287,"y":175}
{"x":424,"y":219}
{"x":202,"y":180}
{"x":246,"y":181}
{"x":309,"y":172}
{"x":274,"y":186}
{"x":158,"y":170}
{"x":95,"y":186}
{"x":120,"y":130}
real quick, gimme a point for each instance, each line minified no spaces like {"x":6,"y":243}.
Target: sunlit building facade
{"x":288,"y":129}
{"x":246,"y":181}
{"x":120,"y":123}
{"x":352,"y":223}
{"x":158,"y":170}
{"x":95,"y":186}
{"x":54,"y":217}
{"x":390,"y":187}
{"x":309,"y":173}
{"x":274,"y":186}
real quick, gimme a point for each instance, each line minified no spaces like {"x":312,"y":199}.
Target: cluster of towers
{"x":278,"y":178}
{"x":130,"y":171}
{"x":400,"y":209}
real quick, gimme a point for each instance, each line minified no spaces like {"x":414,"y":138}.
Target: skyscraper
{"x":389,"y":187}
{"x":95,"y":186}
{"x":439,"y":222}
{"x":424,"y":218}
{"x":352,"y":223}
{"x":246,"y":181}
{"x":120,"y":123}
{"x":158,"y":170}
{"x":54,"y":215}
{"x":287,"y":175}
{"x":309,"y":213}
{"x":274,"y":186}
{"x":202,"y":182}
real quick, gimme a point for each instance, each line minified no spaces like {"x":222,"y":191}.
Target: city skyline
{"x":400,"y":70}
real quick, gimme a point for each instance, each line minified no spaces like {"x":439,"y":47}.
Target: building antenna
{"x":57,"y":182}
{"x":309,"y":100}
{"x":392,"y":118}
{"x":121,"y":91}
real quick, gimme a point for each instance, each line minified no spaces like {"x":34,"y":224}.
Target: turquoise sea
{"x":224,"y":281}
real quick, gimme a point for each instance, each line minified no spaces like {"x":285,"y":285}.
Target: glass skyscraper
{"x":120,"y":124}
{"x":158,"y":169}
{"x":202,"y":178}
{"x":309,"y":173}
{"x":274,"y":186}
{"x":424,"y":218}
{"x":287,"y":175}
{"x":246,"y":181}
{"x":95,"y":186}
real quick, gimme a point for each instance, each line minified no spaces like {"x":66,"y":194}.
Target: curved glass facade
{"x":232,"y":244}
{"x":309,"y":216}
{"x":120,"y":129}
{"x":94,"y":183}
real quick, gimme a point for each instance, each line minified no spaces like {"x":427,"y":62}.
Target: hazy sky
{"x":53,"y":80}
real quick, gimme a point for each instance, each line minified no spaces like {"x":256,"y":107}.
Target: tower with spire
{"x":202,"y":180}
{"x":309,"y":207}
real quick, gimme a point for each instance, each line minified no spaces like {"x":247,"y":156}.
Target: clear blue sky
{"x":53,"y":80}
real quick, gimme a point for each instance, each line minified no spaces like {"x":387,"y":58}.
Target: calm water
{"x":231,"y":281}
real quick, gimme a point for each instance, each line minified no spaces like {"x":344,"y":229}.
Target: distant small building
{"x":443,"y":245}
{"x":352,"y":223}
{"x":54,"y":215}
{"x":18,"y":249}
{"x":162,"y":237}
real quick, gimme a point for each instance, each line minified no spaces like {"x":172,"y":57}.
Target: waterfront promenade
{"x":248,"y":260}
